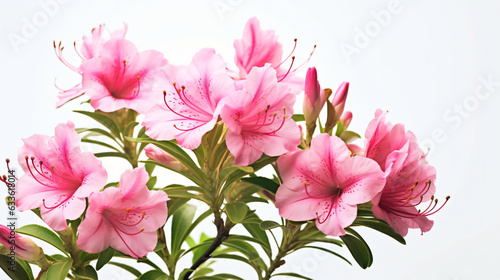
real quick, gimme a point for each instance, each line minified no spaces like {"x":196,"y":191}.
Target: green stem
{"x":69,"y":244}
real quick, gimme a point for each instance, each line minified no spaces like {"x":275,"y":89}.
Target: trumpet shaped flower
{"x":410,"y":180}
{"x":58,"y":176}
{"x":124,"y":218}
{"x":258,"y":118}
{"x":192,"y":100}
{"x":325,"y":183}
{"x":121,"y":77}
{"x":259,"y":47}
{"x":91,"y":46}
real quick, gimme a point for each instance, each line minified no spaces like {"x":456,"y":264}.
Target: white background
{"x":424,"y":64}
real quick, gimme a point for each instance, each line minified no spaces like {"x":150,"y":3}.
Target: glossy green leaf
{"x":151,"y":182}
{"x":291,"y":274}
{"x":380,"y":226}
{"x":267,"y":225}
{"x":104,"y":120}
{"x":128,"y":268}
{"x":153,"y":275}
{"x":59,"y":270}
{"x":180,"y":224}
{"x":202,"y":271}
{"x":328,"y":251}
{"x":349,"y":136}
{"x":175,"y":203}
{"x":87,"y":272}
{"x":91,"y":141}
{"x":263,"y":182}
{"x":358,"y":250}
{"x":104,"y":257}
{"x":14,"y":269}
{"x":236,"y":211}
{"x":26,"y":266}
{"x":298,"y":117}
{"x":97,"y":131}
{"x":44,"y":234}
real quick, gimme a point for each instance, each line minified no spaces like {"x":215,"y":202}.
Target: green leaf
{"x":349,"y":136}
{"x":91,"y":141}
{"x":380,"y":226}
{"x":263,"y":182}
{"x":236,"y":211}
{"x":87,"y":272}
{"x":227,"y":276}
{"x":291,"y":274}
{"x":26,"y":266}
{"x":267,"y":225}
{"x":149,"y":167}
{"x":358,"y":250}
{"x":202,"y":271}
{"x":98,"y":131}
{"x":112,"y":154}
{"x":196,"y":223}
{"x":104,"y":257}
{"x":153,"y":275}
{"x":104,"y":120}
{"x":247,"y":239}
{"x":175,"y":203}
{"x":340,"y":129}
{"x":255,"y":230}
{"x":358,"y":236}
{"x":249,"y":251}
{"x":180,"y":224}
{"x":59,"y":270}
{"x":44,"y":234}
{"x":18,"y":272}
{"x":298,"y":117}
{"x":328,"y":251}
{"x":151,"y":182}
{"x":128,"y":268}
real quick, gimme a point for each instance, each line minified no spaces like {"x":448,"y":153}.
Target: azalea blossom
{"x":192,"y":100}
{"x":124,"y":218}
{"x":91,"y":46}
{"x":259,"y":47}
{"x":24,"y":247}
{"x":58,"y":176}
{"x":325,"y":183}
{"x":258,"y":118}
{"x":410,"y":180}
{"x":121,"y":77}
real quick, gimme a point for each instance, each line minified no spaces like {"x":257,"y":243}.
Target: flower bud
{"x":23,"y":247}
{"x":160,"y":156}
{"x":314,"y":97}
{"x":346,"y":119}
{"x":339,"y":99}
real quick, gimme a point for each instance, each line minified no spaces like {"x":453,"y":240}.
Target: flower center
{"x":402,"y":204}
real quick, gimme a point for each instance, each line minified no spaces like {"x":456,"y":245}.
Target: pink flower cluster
{"x":324,"y":179}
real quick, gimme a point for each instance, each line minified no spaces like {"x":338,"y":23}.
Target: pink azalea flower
{"x":160,"y":156}
{"x":121,"y":77}
{"x":192,"y":98}
{"x":256,"y":48}
{"x":258,"y":118}
{"x":90,"y":48}
{"x":58,"y":176}
{"x":24,"y":247}
{"x":125,"y":218}
{"x":259,"y":47}
{"x":410,"y":180}
{"x":325,"y":183}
